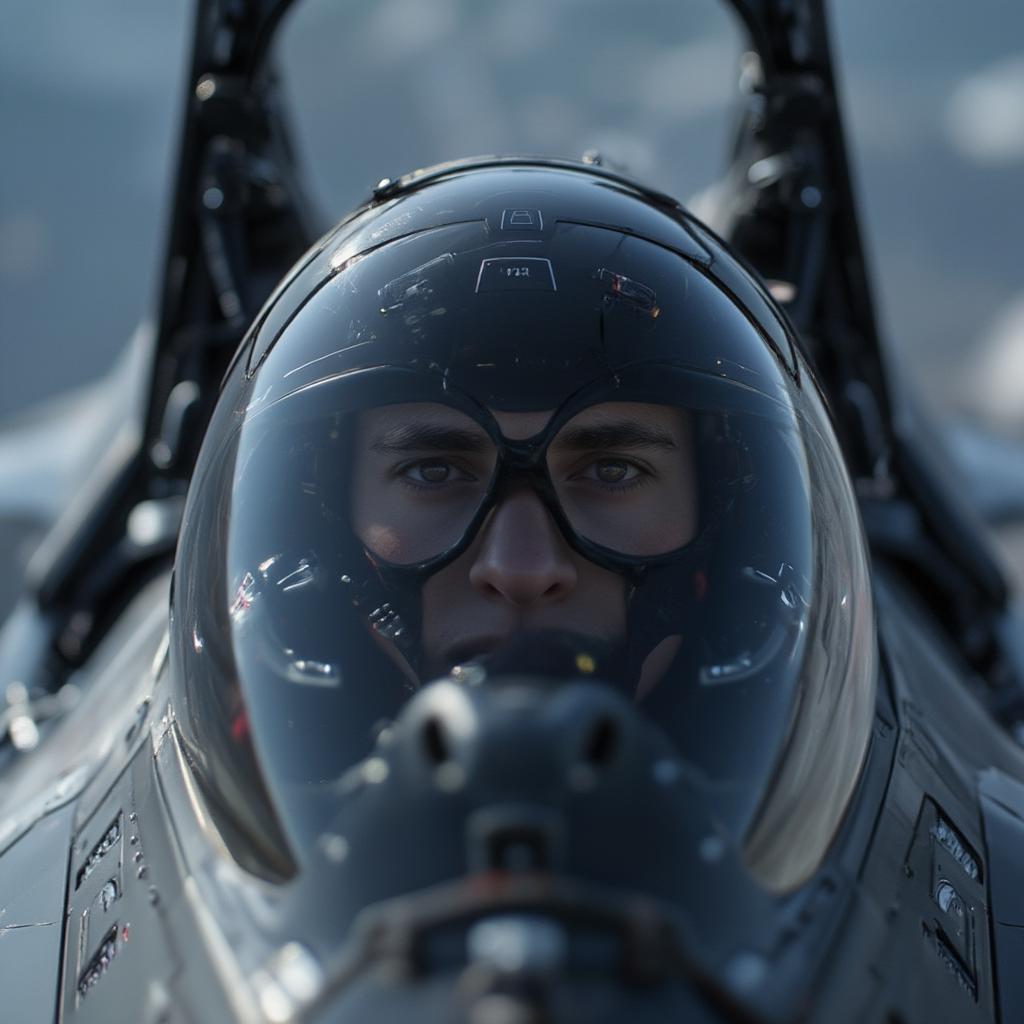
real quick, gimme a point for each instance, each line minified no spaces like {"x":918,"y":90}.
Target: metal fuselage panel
{"x":32,"y":874}
{"x":919,"y":942}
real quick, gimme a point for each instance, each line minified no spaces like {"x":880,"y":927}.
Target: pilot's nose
{"x":523,"y":556}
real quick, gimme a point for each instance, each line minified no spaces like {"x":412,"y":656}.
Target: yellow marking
{"x":585,"y":663}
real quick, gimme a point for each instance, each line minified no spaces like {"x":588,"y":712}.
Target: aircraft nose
{"x":546,"y":817}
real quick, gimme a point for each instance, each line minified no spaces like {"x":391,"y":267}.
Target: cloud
{"x":25,"y":246}
{"x":690,"y":80}
{"x":999,"y":375}
{"x":400,"y":29}
{"x":985,"y":115}
{"x":107,"y":49}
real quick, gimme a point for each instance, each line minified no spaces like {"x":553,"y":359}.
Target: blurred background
{"x":89,"y":116}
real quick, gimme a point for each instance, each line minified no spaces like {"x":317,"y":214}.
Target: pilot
{"x":522,"y":417}
{"x":622,"y":471}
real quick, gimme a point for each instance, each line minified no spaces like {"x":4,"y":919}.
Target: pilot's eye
{"x":614,"y":471}
{"x":434,"y":471}
{"x":607,"y":475}
{"x":431,"y":473}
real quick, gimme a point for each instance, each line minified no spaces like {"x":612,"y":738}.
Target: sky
{"x":934,"y":93}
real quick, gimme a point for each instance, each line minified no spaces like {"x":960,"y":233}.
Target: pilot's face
{"x":623,"y":474}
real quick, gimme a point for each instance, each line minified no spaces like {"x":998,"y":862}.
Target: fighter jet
{"x":824,"y":826}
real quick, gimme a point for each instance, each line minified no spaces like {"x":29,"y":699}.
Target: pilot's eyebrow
{"x":615,"y":434}
{"x":418,"y":437}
